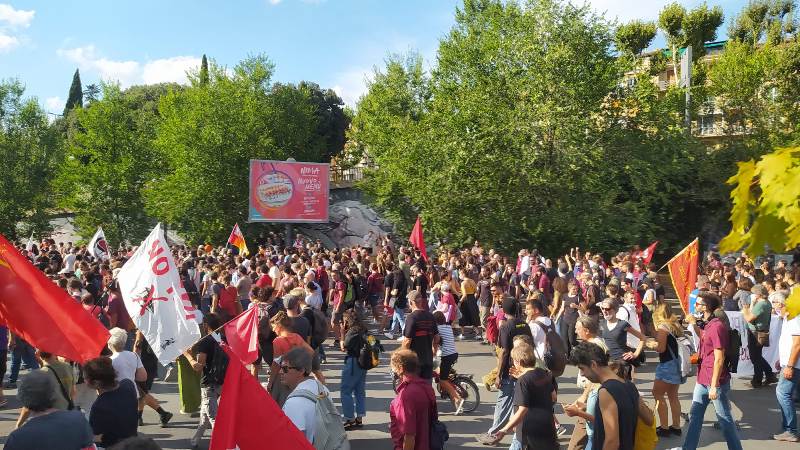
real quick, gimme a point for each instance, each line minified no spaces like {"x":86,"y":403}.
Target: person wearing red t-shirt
{"x":375,"y":291}
{"x":413,"y":410}
{"x":286,"y":340}
{"x":227,"y":302}
{"x":264,"y":279}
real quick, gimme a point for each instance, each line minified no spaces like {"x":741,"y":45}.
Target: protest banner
{"x":156,"y":300}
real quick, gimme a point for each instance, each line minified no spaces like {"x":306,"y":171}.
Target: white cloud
{"x":128,"y":73}
{"x":350,"y":85}
{"x":54,"y":104}
{"x":15,"y":18}
{"x":7,"y":42}
{"x":274,"y":2}
{"x":626,"y":10}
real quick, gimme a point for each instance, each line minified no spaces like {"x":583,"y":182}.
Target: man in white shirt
{"x":295,"y":372}
{"x":789,"y":353}
{"x":538,"y":322}
{"x":69,"y":260}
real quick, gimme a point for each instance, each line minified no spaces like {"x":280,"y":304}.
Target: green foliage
{"x":684,"y":28}
{"x":208,"y":134}
{"x":332,"y":120}
{"x":30,"y":151}
{"x":110,"y":158}
{"x":634,"y":37}
{"x":515,"y":137}
{"x":91,"y":93}
{"x":75,"y":98}
{"x":770,"y":21}
{"x":204,"y":71}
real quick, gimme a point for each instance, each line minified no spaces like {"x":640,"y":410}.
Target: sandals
{"x":355,"y":423}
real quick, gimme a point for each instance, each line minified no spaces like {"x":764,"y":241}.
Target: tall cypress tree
{"x":75,"y":93}
{"x":204,"y":71}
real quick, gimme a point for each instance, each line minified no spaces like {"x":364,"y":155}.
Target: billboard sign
{"x":282,"y":191}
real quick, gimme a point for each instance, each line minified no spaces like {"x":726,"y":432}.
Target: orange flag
{"x":242,"y":335}
{"x":683,"y":271}
{"x":237,"y":240}
{"x":42,"y":313}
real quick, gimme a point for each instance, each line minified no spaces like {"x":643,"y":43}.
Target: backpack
{"x":685,"y":351}
{"x":329,"y":431}
{"x":492,"y":331}
{"x":555,"y":355}
{"x":348,"y":299}
{"x":369,"y":356}
{"x":102,"y":317}
{"x":733,"y":350}
{"x":321,"y":328}
{"x":219,"y":365}
{"x":360,"y":288}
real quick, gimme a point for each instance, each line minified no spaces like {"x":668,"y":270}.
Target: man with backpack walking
{"x":421,"y":333}
{"x":713,"y":376}
{"x":212,"y":361}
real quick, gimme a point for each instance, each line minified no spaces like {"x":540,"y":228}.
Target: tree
{"x":771,"y":21}
{"x":110,"y":158}
{"x":75,"y":97}
{"x":91,"y":93}
{"x":208,"y":134}
{"x":634,"y":37}
{"x":683,"y":28}
{"x":30,"y":151}
{"x":204,"y":71}
{"x":332,"y":119}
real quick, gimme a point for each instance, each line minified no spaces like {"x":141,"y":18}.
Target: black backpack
{"x":369,"y":356}
{"x":733,"y":350}
{"x":219,"y":365}
{"x":555,"y":353}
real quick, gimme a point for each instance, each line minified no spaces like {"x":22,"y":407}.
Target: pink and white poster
{"x":283,"y":191}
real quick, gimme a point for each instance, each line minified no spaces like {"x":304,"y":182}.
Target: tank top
{"x":671,"y":349}
{"x":616,"y":339}
{"x":627,"y":398}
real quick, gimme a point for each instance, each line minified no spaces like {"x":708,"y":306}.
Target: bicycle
{"x":466,"y":388}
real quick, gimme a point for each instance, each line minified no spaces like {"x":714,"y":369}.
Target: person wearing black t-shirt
{"x":569,"y":317}
{"x":113,"y":416}
{"x":421,"y":333}
{"x":397,"y":291}
{"x":210,"y":386}
{"x":513,"y":326}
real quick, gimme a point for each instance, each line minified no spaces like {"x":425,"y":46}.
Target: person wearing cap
{"x":758,"y":315}
{"x":47,"y":426}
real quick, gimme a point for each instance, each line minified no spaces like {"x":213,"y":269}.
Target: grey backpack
{"x":329,"y":433}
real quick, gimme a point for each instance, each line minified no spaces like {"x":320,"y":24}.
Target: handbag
{"x":70,"y":404}
{"x":645,"y":437}
{"x":439,"y":434}
{"x":762,"y":337}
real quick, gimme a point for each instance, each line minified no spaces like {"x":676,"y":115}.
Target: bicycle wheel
{"x":468,"y":390}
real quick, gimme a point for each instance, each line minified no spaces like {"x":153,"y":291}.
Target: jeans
{"x":209,"y":401}
{"x":354,"y":380}
{"x":722,"y":406}
{"x":23,"y":352}
{"x":761,"y":367}
{"x":504,"y":406}
{"x":784,"y":391}
{"x":399,"y":318}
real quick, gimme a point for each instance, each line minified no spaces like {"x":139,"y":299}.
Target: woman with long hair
{"x":470,"y":316}
{"x":668,"y":372}
{"x":354,"y":377}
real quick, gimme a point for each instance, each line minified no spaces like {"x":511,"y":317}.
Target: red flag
{"x":646,"y":254}
{"x":43,"y":314}
{"x":683,"y":271}
{"x":248,"y":418}
{"x":242,"y":335}
{"x":417,"y":240}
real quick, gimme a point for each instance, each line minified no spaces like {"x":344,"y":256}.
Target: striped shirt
{"x":448,"y":344}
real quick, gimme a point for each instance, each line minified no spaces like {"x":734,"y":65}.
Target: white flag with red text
{"x":98,"y":246}
{"x":156,"y":300}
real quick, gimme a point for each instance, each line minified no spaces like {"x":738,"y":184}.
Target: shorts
{"x":485,"y":312}
{"x":669,"y":372}
{"x":144,"y":387}
{"x":447,"y":365}
{"x":374,"y":300}
{"x":338,"y":317}
{"x":426,"y":372}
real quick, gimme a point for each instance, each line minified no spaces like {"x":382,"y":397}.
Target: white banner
{"x":156,"y":300}
{"x":98,"y":246}
{"x":745,"y":369}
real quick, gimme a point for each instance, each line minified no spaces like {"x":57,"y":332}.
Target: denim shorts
{"x":669,"y":372}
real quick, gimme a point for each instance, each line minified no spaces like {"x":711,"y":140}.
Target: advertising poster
{"x":282,"y":191}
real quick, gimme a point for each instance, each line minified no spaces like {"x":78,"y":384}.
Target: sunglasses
{"x":606,"y":309}
{"x":699,"y":304}
{"x":285,"y":369}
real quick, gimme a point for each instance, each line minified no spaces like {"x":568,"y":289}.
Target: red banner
{"x":283,"y":191}
{"x":683,"y":271}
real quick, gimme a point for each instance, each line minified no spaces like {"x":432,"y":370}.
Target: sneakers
{"x":141,"y":421}
{"x":400,"y":339}
{"x":461,"y":337}
{"x":786,"y":437}
{"x":165,"y":418}
{"x":460,"y":407}
{"x":389,"y":336}
{"x":771,"y":379}
{"x":663,"y":432}
{"x":561,"y":430}
{"x":335,"y":345}
{"x":755,"y":384}
{"x":478,"y":337}
{"x":675,"y":431}
{"x":10,"y":385}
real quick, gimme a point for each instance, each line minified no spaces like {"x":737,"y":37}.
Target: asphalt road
{"x":755,"y":409}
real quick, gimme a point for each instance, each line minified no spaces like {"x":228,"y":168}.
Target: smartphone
{"x":558,"y":408}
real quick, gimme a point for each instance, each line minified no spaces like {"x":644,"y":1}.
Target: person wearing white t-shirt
{"x":295,"y":373}
{"x":538,"y":322}
{"x":789,"y":354}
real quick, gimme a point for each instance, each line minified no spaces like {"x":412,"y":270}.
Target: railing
{"x":348,"y":175}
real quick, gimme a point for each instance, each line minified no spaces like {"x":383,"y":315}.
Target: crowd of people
{"x":533,"y":313}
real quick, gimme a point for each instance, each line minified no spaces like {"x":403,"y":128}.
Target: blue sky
{"x":335,"y":43}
